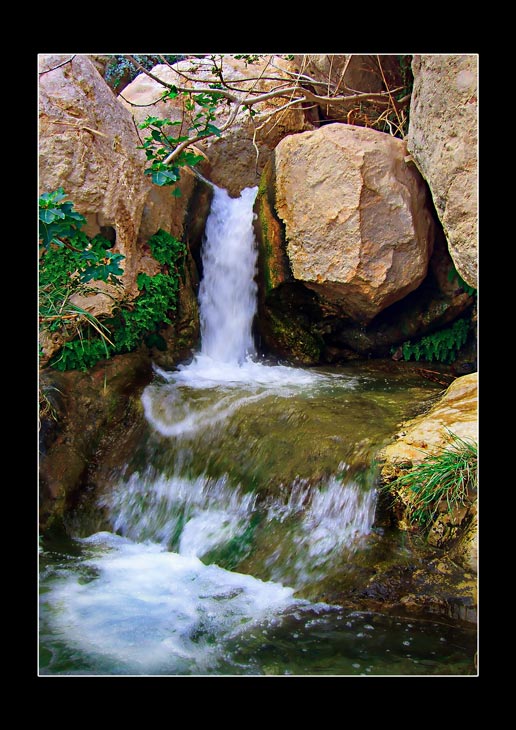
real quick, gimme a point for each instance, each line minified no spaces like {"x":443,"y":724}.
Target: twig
{"x":148,"y":73}
{"x":140,"y":105}
{"x":77,"y":125}
{"x":343,"y":72}
{"x":58,"y":65}
{"x":137,"y":130}
{"x":400,"y":123}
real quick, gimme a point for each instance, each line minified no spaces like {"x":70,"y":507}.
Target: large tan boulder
{"x":442,"y":139}
{"x":456,"y":411}
{"x":89,"y":147}
{"x":429,"y":434}
{"x":236,"y":159}
{"x":357,"y":228}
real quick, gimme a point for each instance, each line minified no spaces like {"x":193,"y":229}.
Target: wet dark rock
{"x":93,"y":410}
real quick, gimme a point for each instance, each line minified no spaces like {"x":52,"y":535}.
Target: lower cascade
{"x":246,"y":509}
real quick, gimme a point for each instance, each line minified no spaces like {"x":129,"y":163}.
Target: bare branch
{"x":137,"y":131}
{"x":290,"y":90}
{"x":148,"y":73}
{"x":343,"y":73}
{"x":166,"y":62}
{"x":58,"y":65}
{"x":273,"y":112}
{"x":140,"y":105}
{"x":400,"y":123}
{"x":180,"y":147}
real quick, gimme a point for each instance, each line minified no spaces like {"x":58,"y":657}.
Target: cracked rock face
{"x":358,"y":230}
{"x":443,"y":142}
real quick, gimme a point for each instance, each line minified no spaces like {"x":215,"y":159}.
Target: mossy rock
{"x":293,"y":341}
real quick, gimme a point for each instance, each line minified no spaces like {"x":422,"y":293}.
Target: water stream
{"x":249,"y":497}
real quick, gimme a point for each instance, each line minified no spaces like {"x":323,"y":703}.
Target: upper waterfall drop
{"x":227,"y":294}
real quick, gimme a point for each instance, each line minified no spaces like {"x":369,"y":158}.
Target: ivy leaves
{"x":103,"y":267}
{"x":132,"y":324}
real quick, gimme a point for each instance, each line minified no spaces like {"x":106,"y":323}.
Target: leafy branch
{"x":204,"y":98}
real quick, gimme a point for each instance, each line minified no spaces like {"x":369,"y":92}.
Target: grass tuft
{"x":449,"y":477}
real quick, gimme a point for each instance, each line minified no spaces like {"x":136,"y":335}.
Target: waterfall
{"x":227,"y":295}
{"x":235,"y":499}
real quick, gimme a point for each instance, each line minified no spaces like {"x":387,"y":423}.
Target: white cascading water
{"x":227,"y":295}
{"x":150,"y":609}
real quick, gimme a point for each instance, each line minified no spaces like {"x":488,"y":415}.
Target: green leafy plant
{"x":249,"y":57}
{"x":165,"y":151}
{"x":70,"y":263}
{"x":60,"y":227}
{"x":58,"y":222}
{"x":137,"y":322}
{"x":167,"y":250}
{"x":442,"y":346}
{"x":448,"y":478}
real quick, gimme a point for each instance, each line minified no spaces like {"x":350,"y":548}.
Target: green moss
{"x":266,"y":248}
{"x":301,"y":344}
{"x":271,"y":237}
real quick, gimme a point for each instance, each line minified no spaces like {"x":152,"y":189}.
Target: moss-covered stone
{"x":293,"y":341}
{"x":94,"y":410}
{"x":273,"y":264}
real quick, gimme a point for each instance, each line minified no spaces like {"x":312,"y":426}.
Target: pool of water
{"x":249,"y":495}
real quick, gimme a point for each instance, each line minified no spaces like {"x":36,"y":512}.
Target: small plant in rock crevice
{"x":447,"y":479}
{"x":442,"y":346}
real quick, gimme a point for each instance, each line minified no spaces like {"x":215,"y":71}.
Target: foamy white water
{"x":191,"y":516}
{"x":228,"y":304}
{"x":154,"y":611}
{"x":227,"y":295}
{"x":195,"y":516}
{"x":337,"y":516}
